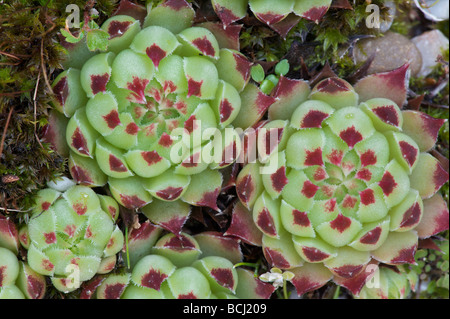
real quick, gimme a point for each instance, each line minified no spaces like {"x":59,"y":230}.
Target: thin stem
{"x":285,"y":293}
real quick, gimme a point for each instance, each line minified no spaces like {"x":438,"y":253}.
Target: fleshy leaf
{"x":220,"y":273}
{"x":174,"y":15}
{"x":336,"y":92}
{"x":281,"y":252}
{"x":129,"y":192}
{"x":141,"y":241}
{"x":113,"y":286}
{"x":215,"y":244}
{"x":290,"y":93}
{"x":151,"y":271}
{"x":243,"y":227}
{"x":169,"y":215}
{"x":423,"y":128}
{"x":181,"y":249}
{"x":428,"y":176}
{"x":96,"y":73}
{"x":399,"y":248}
{"x":9,"y":236}
{"x":391,"y":85}
{"x":348,"y":263}
{"x":435,"y":217}
{"x":250,"y":287}
{"x":230,"y":11}
{"x":312,"y":10}
{"x":204,"y":189}
{"x":69,"y":94}
{"x":310,"y":277}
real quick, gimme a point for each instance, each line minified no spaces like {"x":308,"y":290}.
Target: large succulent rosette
{"x":153,"y":116}
{"x":346,"y":181}
{"x":72,"y":235}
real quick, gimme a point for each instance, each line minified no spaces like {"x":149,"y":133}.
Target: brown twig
{"x":44,"y":69}
{"x":4,"y":131}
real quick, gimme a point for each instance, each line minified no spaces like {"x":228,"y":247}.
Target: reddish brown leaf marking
{"x":313,"y":118}
{"x":98,"y":82}
{"x":112,"y":119}
{"x":2,"y":276}
{"x":314,"y":254}
{"x":179,"y":242}
{"x":79,"y":142}
{"x":45,"y":205}
{"x":169,"y":87}
{"x":132,"y":128}
{"x":276,"y":259}
{"x":142,"y":232}
{"x":440,"y":176}
{"x":205,"y":46}
{"x":225,"y":110}
{"x":279,"y":179}
{"x":272,"y":139}
{"x":223,"y":276}
{"x":315,"y":13}
{"x":242,"y":65}
{"x":170,"y":193}
{"x":309,"y":189}
{"x":116,"y":165}
{"x":411,"y":216}
{"x":264,"y":290}
{"x":431,"y":125}
{"x":263,"y":102}
{"x":153,"y":279}
{"x":131,"y":202}
{"x":187,"y":296}
{"x":320,"y":174}
{"x":368,"y":158}
{"x":61,"y":90}
{"x":209,"y":199}
{"x":367,"y":196}
{"x":405,"y":256}
{"x":388,"y":114}
{"x":35,"y":287}
{"x":176,"y":4}
{"x":330,"y":205}
{"x":371,"y":237}
{"x":155,"y":53}
{"x":225,"y":15}
{"x":265,"y":222}
{"x":341,"y":223}
{"x":118,"y":28}
{"x":114,"y":291}
{"x":348,"y":271}
{"x":349,"y":201}
{"x":270,"y":18}
{"x":194,"y":87}
{"x":364,"y":174}
{"x":304,"y":284}
{"x":47,"y":265}
{"x":50,"y":238}
{"x":70,"y":230}
{"x":300,"y":218}
{"x":409,"y":152}
{"x":245,"y":188}
{"x":191,"y":161}
{"x":81,"y":176}
{"x":190,"y":124}
{"x":335,"y":157}
{"x":351,"y":136}
{"x":332,"y":85}
{"x":88,"y":233}
{"x":165,"y":140}
{"x":314,"y":157}
{"x":137,"y":86}
{"x":80,"y":208}
{"x":151,"y":157}
{"x":387,"y":183}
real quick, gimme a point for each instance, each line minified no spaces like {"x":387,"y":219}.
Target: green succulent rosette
{"x":343,"y":177}
{"x":153,"y":117}
{"x":72,"y":235}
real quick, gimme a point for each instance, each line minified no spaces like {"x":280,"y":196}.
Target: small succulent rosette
{"x":343,"y":177}
{"x":190,"y":267}
{"x":72,"y":235}
{"x":154,"y":115}
{"x":281,"y":17}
